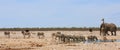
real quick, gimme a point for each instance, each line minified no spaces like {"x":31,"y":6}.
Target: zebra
{"x":26,"y":32}
{"x":7,"y":34}
{"x":92,"y":38}
{"x":58,"y":36}
{"x":39,"y":34}
{"x":68,"y":38}
{"x":76,"y":38}
{"x":80,"y":38}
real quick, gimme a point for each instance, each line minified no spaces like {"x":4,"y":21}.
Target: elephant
{"x":105,"y":27}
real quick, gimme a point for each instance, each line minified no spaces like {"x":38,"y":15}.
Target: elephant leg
{"x":114,"y":33}
{"x":111,"y":32}
{"x":106,"y":32}
{"x":100,"y":33}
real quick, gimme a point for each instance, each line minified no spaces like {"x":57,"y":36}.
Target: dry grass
{"x":16,"y":42}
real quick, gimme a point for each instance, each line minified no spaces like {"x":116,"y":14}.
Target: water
{"x":112,"y":40}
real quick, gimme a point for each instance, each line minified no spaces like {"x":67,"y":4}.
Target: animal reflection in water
{"x":26,"y":33}
{"x":40,"y":35}
{"x":7,"y":34}
{"x":105,"y":39}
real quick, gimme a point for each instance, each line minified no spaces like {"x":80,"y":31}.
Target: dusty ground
{"x":16,"y":42}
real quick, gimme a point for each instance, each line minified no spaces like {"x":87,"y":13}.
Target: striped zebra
{"x":40,"y":35}
{"x":7,"y":34}
{"x":92,"y":38}
{"x":26,"y":33}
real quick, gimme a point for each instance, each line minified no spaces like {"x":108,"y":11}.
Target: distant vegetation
{"x":52,"y":29}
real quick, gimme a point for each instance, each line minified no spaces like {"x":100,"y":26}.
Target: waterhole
{"x":97,"y":41}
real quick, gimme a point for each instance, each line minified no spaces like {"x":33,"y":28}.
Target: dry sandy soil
{"x":17,"y":42}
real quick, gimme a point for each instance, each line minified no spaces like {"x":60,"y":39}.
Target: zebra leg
{"x":8,"y":36}
{"x":39,"y":37}
{"x":114,"y":33}
{"x":24,"y":36}
{"x":43,"y":36}
{"x":111,"y":32}
{"x":29,"y":36}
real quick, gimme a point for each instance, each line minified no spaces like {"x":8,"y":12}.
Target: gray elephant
{"x":105,"y":27}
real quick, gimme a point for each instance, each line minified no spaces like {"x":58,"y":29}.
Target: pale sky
{"x":58,"y":13}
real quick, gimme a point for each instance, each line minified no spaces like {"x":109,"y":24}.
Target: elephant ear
{"x":103,"y":25}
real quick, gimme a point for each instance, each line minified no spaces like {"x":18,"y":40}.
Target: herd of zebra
{"x":58,"y":36}
{"x":26,"y":34}
{"x":73,"y":38}
{"x":104,"y":28}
